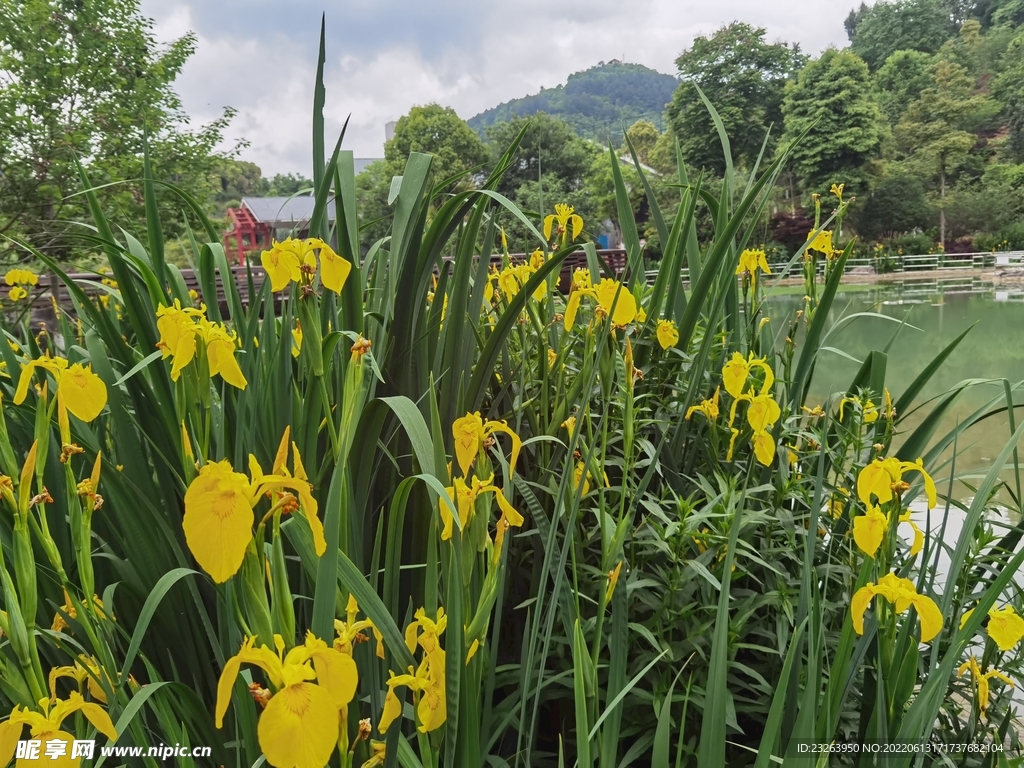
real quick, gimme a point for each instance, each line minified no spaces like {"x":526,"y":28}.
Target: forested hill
{"x":595,"y":102}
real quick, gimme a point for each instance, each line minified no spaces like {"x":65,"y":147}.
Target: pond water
{"x":935,"y":312}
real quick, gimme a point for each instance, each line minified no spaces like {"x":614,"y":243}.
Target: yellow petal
{"x":859,"y":604}
{"x":734,"y":374}
{"x":667,"y":334}
{"x":517,"y":444}
{"x":447,"y":519}
{"x":511,"y":515}
{"x":336,"y":672}
{"x":27,"y":370}
{"x":334,"y":269}
{"x":281,"y":458}
{"x":930,"y":615}
{"x":392,"y":710}
{"x":874,"y":479}
{"x":577,"y":225}
{"x":869,"y":530}
{"x":571,"y":308}
{"x":10,"y":733}
{"x":220,"y":352}
{"x":763,"y":413}
{"x":1005,"y":627}
{"x":282,"y":264}
{"x":468,"y":432}
{"x":84,"y":393}
{"x":299,"y":727}
{"x":98,"y":716}
{"x":218,"y":520}
{"x":431,"y":709}
{"x":764,"y":447}
{"x":548,"y":222}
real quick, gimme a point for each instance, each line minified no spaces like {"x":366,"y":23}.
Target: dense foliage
{"x":88,"y":81}
{"x":420,"y":510}
{"x":594,"y":102}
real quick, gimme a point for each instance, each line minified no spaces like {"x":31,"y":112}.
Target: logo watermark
{"x":54,"y":749}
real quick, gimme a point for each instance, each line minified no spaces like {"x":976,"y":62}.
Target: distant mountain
{"x":595,"y":102}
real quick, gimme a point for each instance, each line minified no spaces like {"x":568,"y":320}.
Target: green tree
{"x":834,"y":101}
{"x":884,"y":28}
{"x":900,"y":81}
{"x":286,"y":184}
{"x":896,"y":205}
{"x":87,"y":80}
{"x":372,"y":188}
{"x":438,"y":131}
{"x":936,"y":132}
{"x":744,"y":78}
{"x":644,"y":138}
{"x":1008,"y":88}
{"x":235,"y":179}
{"x":549,"y":146}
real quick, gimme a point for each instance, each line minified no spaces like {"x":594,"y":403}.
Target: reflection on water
{"x":935,"y":312}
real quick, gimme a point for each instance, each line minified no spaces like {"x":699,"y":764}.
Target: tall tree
{"x":916,"y":25}
{"x":744,"y":78}
{"x":1009,"y":89}
{"x":900,"y":81}
{"x":438,"y":131}
{"x":86,"y":79}
{"x":644,"y":138}
{"x":549,"y":146}
{"x":936,"y":133}
{"x":833,"y":99}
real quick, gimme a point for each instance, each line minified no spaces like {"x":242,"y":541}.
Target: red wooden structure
{"x":247,"y":234}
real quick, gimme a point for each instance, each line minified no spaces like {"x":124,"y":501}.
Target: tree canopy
{"x":88,"y":81}
{"x":832,"y":106}
{"x":437,"y":131}
{"x":744,"y":76}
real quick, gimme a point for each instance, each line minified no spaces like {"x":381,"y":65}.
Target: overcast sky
{"x":385,"y":56}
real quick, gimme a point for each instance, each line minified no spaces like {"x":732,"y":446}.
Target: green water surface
{"x":936,"y":312}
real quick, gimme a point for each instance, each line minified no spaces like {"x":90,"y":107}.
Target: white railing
{"x":908,"y":264}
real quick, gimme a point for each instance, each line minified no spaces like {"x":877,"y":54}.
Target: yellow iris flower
{"x":881,"y":476}
{"x":752,"y":261}
{"x":180,"y":327}
{"x":17,"y":293}
{"x":177,"y":335}
{"x":581,"y":279}
{"x":566,"y":218}
{"x":981,"y":680}
{"x":84,"y":670}
{"x":296,"y":339}
{"x":21,"y":277}
{"x":902,"y":594}
{"x":428,"y":682}
{"x":708,"y":407}
{"x":46,"y":726}
{"x":219,"y":507}
{"x":1005,"y":627}
{"x":668,"y":335}
{"x":869,"y":529}
{"x":220,"y":353}
{"x":464,"y":495}
{"x":83,"y":392}
{"x":605,"y":296}
{"x":299,"y":727}
{"x":287,"y":261}
{"x":869,"y":411}
{"x":822,"y":243}
{"x":351,"y":630}
{"x":471,"y":432}
{"x":736,"y":371}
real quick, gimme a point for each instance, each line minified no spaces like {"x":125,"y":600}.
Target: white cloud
{"x":387,"y":56}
